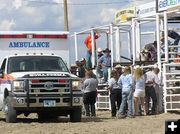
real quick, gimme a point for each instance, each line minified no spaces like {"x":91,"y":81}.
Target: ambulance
{"x":34,"y":76}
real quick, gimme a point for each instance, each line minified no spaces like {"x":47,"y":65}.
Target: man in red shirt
{"x":88,"y":44}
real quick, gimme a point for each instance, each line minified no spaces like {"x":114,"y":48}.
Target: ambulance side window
{"x":3,"y":65}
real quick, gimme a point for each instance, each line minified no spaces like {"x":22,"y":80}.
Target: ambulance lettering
{"x":29,"y":44}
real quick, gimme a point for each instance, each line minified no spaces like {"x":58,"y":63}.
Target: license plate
{"x":49,"y":103}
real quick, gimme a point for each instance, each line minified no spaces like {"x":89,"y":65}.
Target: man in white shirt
{"x":151,"y":81}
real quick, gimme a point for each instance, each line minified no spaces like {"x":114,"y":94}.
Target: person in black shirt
{"x":80,"y":70}
{"x":172,"y":34}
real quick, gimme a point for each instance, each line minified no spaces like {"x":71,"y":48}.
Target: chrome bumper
{"x":21,"y":102}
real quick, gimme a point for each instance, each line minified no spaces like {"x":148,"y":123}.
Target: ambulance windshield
{"x":36,"y":63}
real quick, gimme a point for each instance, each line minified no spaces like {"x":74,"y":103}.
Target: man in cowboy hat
{"x":83,"y":62}
{"x":105,"y":63}
{"x":99,"y":53}
{"x":98,"y":69}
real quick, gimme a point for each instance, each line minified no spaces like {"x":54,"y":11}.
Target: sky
{"x":47,"y":15}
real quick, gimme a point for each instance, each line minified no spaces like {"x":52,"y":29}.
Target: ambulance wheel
{"x":10,"y":112}
{"x":75,"y":115}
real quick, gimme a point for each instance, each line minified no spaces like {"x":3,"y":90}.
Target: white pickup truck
{"x":37,"y":83}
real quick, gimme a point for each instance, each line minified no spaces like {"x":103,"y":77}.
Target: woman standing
{"x":125,"y":81}
{"x":90,"y":92}
{"x":139,"y":81}
{"x":115,"y":92}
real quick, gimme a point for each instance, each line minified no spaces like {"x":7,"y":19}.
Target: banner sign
{"x":167,"y":4}
{"x":124,"y":15}
{"x":146,"y":10}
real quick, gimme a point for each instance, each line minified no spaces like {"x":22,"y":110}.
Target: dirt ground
{"x":102,"y":124}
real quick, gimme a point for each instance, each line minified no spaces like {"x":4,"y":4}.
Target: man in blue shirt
{"x":105,"y":63}
{"x":98,"y":69}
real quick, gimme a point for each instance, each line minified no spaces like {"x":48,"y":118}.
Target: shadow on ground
{"x":58,"y":120}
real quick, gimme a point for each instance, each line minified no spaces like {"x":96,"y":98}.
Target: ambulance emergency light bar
{"x":33,"y":34}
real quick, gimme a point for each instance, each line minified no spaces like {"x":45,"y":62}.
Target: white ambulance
{"x":34,"y":76}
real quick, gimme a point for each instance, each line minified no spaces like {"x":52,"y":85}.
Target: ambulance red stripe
{"x":63,"y":36}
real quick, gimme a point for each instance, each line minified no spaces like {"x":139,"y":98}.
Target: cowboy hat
{"x":136,"y":66}
{"x":107,"y":50}
{"x":99,"y":50}
{"x":82,"y":59}
{"x":118,"y":66}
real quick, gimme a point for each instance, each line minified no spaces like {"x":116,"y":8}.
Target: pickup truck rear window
{"x":36,"y":63}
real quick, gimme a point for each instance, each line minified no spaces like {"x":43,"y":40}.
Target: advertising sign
{"x":124,"y":15}
{"x":167,"y":4}
{"x":146,"y":10}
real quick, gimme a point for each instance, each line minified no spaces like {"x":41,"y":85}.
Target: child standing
{"x":90,"y":91}
{"x":115,"y":92}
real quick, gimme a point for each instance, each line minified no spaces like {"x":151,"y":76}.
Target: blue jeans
{"x":99,"y":72}
{"x":88,"y":60}
{"x":105,"y":73}
{"x":127,"y":96}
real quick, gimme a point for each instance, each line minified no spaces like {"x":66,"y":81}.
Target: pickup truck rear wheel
{"x":10,"y":112}
{"x":75,"y":115}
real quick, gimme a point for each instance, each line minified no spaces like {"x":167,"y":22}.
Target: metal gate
{"x":103,"y":99}
{"x":171,"y":75}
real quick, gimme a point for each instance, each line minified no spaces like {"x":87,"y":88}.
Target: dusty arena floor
{"x":102,"y":124}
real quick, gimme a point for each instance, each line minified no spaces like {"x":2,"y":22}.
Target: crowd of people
{"x":103,"y":64}
{"x":131,"y":90}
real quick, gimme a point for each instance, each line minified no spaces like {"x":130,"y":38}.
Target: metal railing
{"x":171,"y":80}
{"x":103,"y":99}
